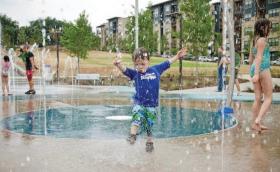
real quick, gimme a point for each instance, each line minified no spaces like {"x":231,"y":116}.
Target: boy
{"x":147,"y":80}
{"x":28,"y":59}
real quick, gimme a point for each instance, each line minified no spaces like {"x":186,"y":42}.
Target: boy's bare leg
{"x":149,"y":143}
{"x":31,"y":84}
{"x":133,"y":131}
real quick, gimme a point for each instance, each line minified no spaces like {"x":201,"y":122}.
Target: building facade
{"x":272,"y":12}
{"x":112,"y":32}
{"x":102,"y":32}
{"x":166,"y":23}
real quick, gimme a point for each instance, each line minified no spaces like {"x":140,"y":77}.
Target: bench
{"x":88,"y":77}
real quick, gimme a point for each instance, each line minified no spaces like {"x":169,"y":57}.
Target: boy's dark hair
{"x":6,"y":58}
{"x":140,"y":53}
{"x":260,"y":25}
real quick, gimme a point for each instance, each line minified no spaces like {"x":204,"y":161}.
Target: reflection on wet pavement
{"x":238,"y":149}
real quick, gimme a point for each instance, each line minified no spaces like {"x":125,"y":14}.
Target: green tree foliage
{"x":197,"y":25}
{"x":247,"y":48}
{"x":9,"y":31}
{"x":34,"y":31}
{"x":147,"y":38}
{"x":78,"y":38}
{"x":218,"y":40}
{"x":23,"y":35}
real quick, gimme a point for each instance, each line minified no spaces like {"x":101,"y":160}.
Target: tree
{"x":197,"y":25}
{"x":22,"y":35}
{"x":147,"y":37}
{"x":218,"y":40}
{"x":78,"y":38}
{"x":9,"y":31}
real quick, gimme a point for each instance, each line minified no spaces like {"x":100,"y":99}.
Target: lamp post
{"x":57,"y":33}
{"x":136,"y":24}
{"x":180,"y":44}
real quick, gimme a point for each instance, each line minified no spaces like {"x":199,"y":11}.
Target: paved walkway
{"x":235,"y":150}
{"x":196,"y":93}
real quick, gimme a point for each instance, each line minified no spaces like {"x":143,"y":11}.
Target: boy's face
{"x":25,"y":49}
{"x":141,"y":65}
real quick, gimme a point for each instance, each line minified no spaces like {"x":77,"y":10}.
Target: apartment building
{"x":167,"y":19}
{"x":113,"y":31}
{"x":166,"y":22}
{"x":237,"y":16}
{"x":102,"y":32}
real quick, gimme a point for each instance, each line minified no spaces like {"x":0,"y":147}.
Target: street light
{"x":136,"y":25}
{"x":57,"y":32}
{"x":180,"y":44}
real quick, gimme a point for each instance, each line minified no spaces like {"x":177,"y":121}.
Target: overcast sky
{"x":99,"y":11}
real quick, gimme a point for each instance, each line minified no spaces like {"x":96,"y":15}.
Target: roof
{"x":165,"y":2}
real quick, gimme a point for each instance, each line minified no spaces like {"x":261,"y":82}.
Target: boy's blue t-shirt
{"x":147,"y":84}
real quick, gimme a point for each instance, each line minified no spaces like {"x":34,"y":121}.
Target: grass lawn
{"x":102,"y":62}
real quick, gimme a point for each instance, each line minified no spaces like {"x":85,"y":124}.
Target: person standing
{"x":28,"y":59}
{"x":260,"y":73}
{"x":147,"y":83}
{"x":236,"y":71}
{"x":6,"y":65}
{"x":222,"y":70}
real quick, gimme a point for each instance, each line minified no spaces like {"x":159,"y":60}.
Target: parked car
{"x":202,"y":58}
{"x":209,"y":59}
{"x":215,"y":59}
{"x":275,"y":62}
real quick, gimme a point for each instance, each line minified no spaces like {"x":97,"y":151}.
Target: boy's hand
{"x":182,"y":53}
{"x":117,"y":60}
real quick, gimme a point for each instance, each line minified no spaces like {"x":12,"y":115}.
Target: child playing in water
{"x":260,"y":73}
{"x":5,"y":75}
{"x":147,"y":82}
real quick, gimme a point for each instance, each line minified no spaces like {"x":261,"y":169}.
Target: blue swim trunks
{"x":144,"y":116}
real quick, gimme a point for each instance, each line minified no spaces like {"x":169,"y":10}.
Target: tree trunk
{"x":78,"y":65}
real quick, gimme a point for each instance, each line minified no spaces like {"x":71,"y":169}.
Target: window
{"x":156,"y":13}
{"x":273,"y":41}
{"x":248,"y":30}
{"x":274,"y":12}
{"x":275,"y":27}
{"x":167,"y":9}
{"x":248,"y":4}
{"x":273,"y":1}
{"x":247,"y":17}
{"x":246,"y":44}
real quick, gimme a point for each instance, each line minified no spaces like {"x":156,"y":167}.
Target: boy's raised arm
{"x":118,"y":63}
{"x":180,"y":54}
